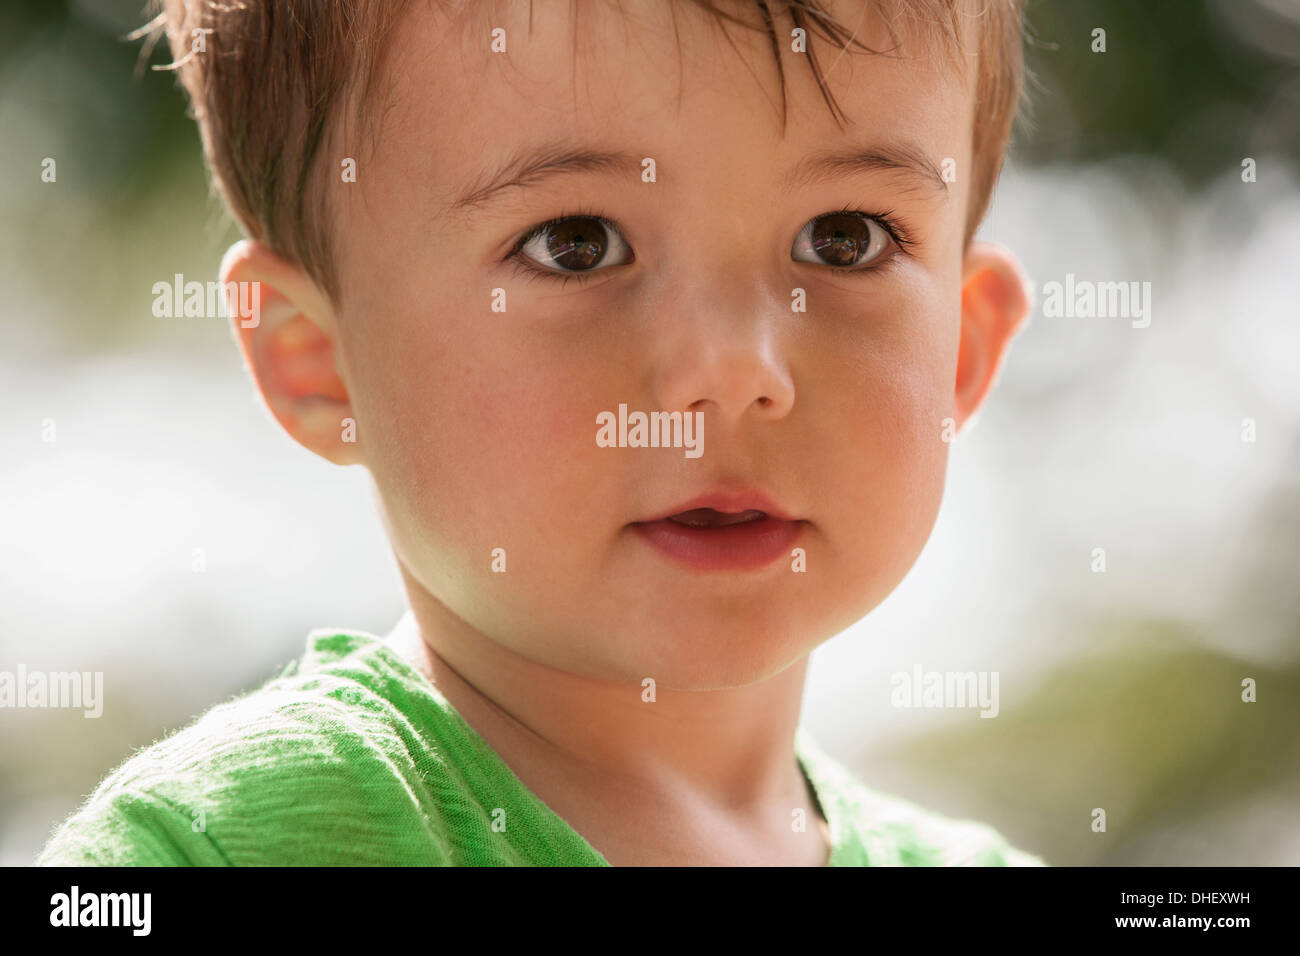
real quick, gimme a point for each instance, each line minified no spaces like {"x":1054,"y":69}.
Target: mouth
{"x":724,"y":535}
{"x":723,"y":508}
{"x":712,"y":518}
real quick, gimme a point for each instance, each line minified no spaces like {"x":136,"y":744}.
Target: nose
{"x":723,"y":346}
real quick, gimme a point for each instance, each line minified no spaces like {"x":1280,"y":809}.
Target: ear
{"x":289,"y":339}
{"x":994,"y":304}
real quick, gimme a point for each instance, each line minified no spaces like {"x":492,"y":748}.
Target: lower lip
{"x":738,"y":547}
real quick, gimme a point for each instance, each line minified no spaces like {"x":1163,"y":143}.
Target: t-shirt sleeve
{"x":941,"y":841}
{"x":291,"y":777}
{"x":903,"y":834}
{"x":1014,"y":857}
{"x":118,"y":826}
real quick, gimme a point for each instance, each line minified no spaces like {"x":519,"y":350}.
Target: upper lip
{"x":732,"y":502}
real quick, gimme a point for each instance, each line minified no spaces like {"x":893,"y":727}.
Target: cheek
{"x":893,"y":389}
{"x":897,"y":444}
{"x":475,"y":440}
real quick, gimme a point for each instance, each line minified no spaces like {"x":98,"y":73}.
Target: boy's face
{"x":479,"y":426}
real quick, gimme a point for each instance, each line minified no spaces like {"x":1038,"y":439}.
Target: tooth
{"x":712,"y":518}
{"x":741,"y":517}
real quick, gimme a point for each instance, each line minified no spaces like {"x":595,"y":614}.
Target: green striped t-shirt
{"x":351,"y":757}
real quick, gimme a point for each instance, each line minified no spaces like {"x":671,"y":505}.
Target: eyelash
{"x":887,"y":220}
{"x":524,"y":267}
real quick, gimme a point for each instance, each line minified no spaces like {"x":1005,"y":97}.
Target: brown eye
{"x":575,"y":244}
{"x":841,"y":239}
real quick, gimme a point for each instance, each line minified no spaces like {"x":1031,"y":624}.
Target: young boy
{"x":482,"y":235}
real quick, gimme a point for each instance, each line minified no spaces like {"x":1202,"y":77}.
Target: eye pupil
{"x":577,"y":244}
{"x":840,"y":238}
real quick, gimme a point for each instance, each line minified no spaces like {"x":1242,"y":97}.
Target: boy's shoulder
{"x":871,"y":828}
{"x":272,"y":775}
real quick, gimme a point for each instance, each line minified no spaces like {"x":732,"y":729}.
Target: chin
{"x":710,"y":654}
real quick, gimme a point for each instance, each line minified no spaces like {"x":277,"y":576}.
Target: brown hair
{"x":273,"y":75}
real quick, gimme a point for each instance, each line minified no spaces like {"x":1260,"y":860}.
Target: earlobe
{"x":289,"y":345}
{"x":994,"y":305}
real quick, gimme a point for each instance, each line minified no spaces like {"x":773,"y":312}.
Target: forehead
{"x":664,"y":79}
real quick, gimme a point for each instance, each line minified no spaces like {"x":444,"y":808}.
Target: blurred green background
{"x":1119,"y":690}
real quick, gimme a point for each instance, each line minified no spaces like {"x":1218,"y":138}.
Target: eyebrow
{"x":531,"y":167}
{"x":903,"y":158}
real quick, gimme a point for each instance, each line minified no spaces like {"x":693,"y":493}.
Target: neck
{"x":728,"y":751}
